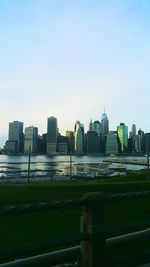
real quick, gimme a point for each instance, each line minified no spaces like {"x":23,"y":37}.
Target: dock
{"x":127,"y":161}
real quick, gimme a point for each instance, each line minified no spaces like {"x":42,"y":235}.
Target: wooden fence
{"x":95,"y":248}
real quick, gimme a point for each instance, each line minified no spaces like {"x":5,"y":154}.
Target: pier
{"x":127,"y":161}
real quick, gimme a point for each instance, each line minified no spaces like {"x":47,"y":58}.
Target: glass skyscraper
{"x":122,"y":131}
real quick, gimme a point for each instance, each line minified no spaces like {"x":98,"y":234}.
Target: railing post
{"x":29,"y":156}
{"x":92,"y":223}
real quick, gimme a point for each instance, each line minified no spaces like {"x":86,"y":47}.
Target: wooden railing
{"x":94,"y":240}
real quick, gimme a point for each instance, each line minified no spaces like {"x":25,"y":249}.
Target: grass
{"x":18,"y":231}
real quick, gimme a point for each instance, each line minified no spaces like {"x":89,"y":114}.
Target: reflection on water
{"x":63,"y":165}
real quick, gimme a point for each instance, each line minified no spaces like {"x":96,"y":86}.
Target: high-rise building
{"x":70,"y":137}
{"x":104,"y":131}
{"x":15,"y":138}
{"x":91,"y":126}
{"x":52,"y":133}
{"x":104,"y":124}
{"x":133,"y":139}
{"x":133,"y":129}
{"x":79,"y":137}
{"x":147,"y":142}
{"x":97,"y":127}
{"x":140,"y":141}
{"x":31,"y":139}
{"x":42,"y":144}
{"x":62,"y":144}
{"x":111,"y":143}
{"x":122,"y":131}
{"x":93,"y":142}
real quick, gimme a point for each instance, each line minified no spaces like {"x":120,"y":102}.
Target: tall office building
{"x":147,"y":142}
{"x":91,"y":126}
{"x":79,"y":137}
{"x":31,"y":139}
{"x":140,"y":141}
{"x":97,"y":127}
{"x":42,"y":144}
{"x":62,"y":144}
{"x":70,"y":137}
{"x":122,"y":131}
{"x":52,"y":133}
{"x":104,"y":124}
{"x":15,"y":138}
{"x":133,"y":129}
{"x":133,"y":139}
{"x":111,"y":143}
{"x":92,"y":142}
{"x":104,"y":131}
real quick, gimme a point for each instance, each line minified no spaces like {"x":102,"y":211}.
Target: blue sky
{"x":70,"y":58}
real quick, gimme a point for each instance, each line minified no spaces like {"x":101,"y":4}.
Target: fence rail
{"x":93,"y":238}
{"x":47,"y":259}
{"x":41,"y":206}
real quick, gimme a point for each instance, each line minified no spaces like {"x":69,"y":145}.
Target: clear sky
{"x":70,"y":58}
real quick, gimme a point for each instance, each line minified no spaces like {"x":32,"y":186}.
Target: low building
{"x":63,"y":148}
{"x":10,"y":147}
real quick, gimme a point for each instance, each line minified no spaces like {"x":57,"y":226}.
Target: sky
{"x":70,"y":59}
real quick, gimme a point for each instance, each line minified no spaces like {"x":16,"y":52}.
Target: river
{"x":64,"y":165}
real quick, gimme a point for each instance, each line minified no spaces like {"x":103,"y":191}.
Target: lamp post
{"x":29,"y":156}
{"x":51,"y":171}
{"x":70,"y":166}
{"x":148,"y":165}
{"x":147,"y":142}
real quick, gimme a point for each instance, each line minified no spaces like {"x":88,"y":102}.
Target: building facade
{"x":79,"y":137}
{"x":104,"y":131}
{"x":15,"y":138}
{"x":122,"y":131}
{"x":70,"y":138}
{"x":112,"y":143}
{"x":93,"y":142}
{"x":52,"y":133}
{"x":31,"y":140}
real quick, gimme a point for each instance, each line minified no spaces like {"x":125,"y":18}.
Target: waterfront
{"x":65,"y":166}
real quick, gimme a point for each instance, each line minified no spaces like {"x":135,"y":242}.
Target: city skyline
{"x":86,"y":129}
{"x":103,"y":122}
{"x":70,"y":59}
{"x":97,"y":139}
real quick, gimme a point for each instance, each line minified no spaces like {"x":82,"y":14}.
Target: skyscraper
{"x":104,"y":124}
{"x":97,"y":127}
{"x":70,"y":137}
{"x":122,"y":131}
{"x":104,"y":131}
{"x":31,"y":139}
{"x":111,"y":143}
{"x":147,"y":142}
{"x":79,"y":137}
{"x":93,"y":142}
{"x":52,"y":133}
{"x":140,"y":141}
{"x":91,"y":126}
{"x":15,"y":137}
{"x":133,"y":139}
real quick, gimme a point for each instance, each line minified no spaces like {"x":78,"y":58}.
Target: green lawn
{"x":23,"y":230}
